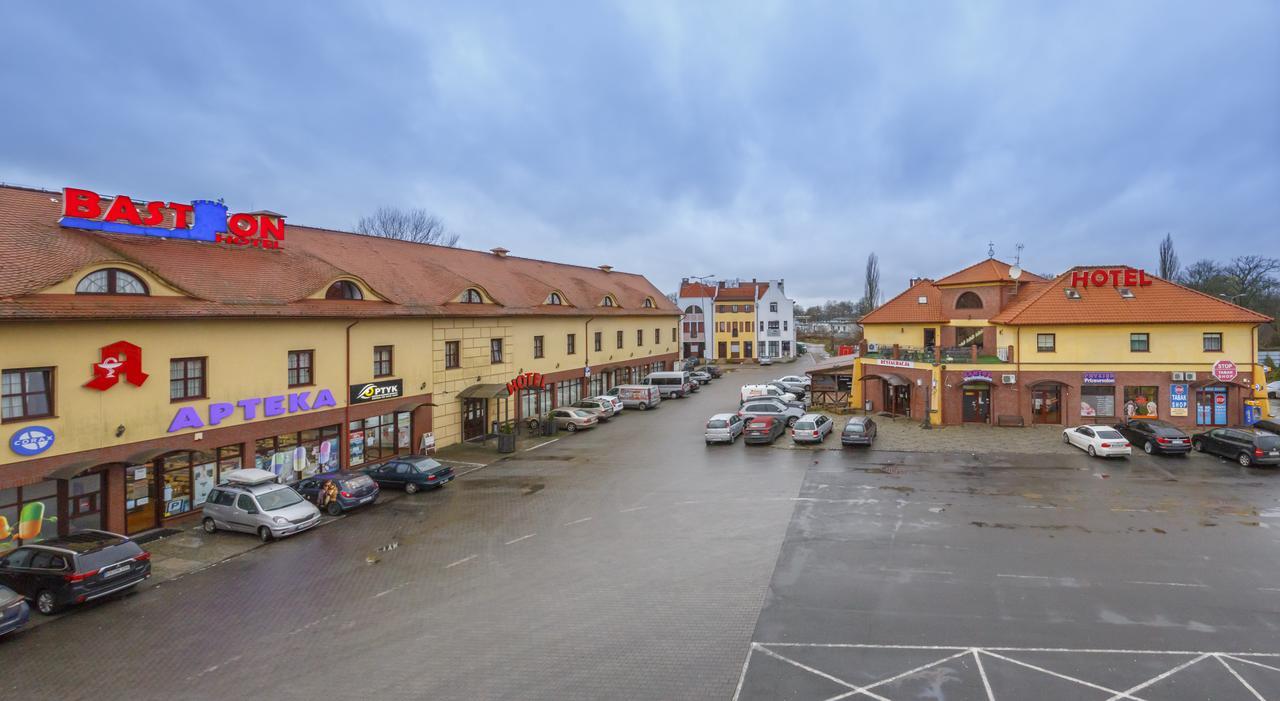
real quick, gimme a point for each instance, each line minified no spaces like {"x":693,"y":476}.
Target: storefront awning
{"x":893,"y":379}
{"x":1046,"y":383}
{"x":68,"y":471}
{"x":410,"y":406}
{"x":483,"y":392}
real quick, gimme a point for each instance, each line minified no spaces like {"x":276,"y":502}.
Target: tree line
{"x":848,"y":308}
{"x":1247,"y":280}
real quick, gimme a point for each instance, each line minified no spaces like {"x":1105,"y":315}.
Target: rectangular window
{"x":773,"y":307}
{"x":1099,"y":402}
{"x":1213,"y":343}
{"x":657,"y":336}
{"x":673,"y":334}
{"x":784,"y":325}
{"x":598,"y":342}
{"x":382,"y":365}
{"x":746,"y":307}
{"x":1139,"y":343}
{"x":27,"y":394}
{"x":452,"y":355}
{"x":1140,"y":402}
{"x":733,"y":307}
{"x":1046,"y":342}
{"x":495,"y":350}
{"x":537,"y":347}
{"x":619,"y":339}
{"x":187,"y":378}
{"x":571,"y":343}
{"x":639,"y":337}
{"x":300,"y":364}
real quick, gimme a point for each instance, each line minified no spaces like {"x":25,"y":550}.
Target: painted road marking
{"x":517,"y":540}
{"x":535,"y":447}
{"x":1125,"y":694}
{"x":908,"y":571}
{"x":1024,"y":576}
{"x":909,"y":672}
{"x":1268,"y":589}
{"x":982,"y":671}
{"x":1171,"y":584}
{"x":455,"y":563}
{"x":1118,"y":694}
{"x":1240,"y":679}
{"x":581,"y":520}
{"x":634,"y":508}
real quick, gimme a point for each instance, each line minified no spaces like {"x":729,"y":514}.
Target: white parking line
{"x":1240,"y":679}
{"x":634,"y":508}
{"x":1024,"y":576}
{"x":517,"y":540}
{"x":581,"y":520}
{"x":1170,"y":584}
{"x":468,"y":558}
{"x":1268,"y":589}
{"x":535,"y":447}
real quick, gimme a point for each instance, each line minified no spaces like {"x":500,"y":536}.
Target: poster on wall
{"x":1178,"y":399}
{"x":356,"y":447}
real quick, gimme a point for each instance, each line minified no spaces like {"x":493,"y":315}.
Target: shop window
{"x":619,"y":339}
{"x":452,"y":355}
{"x":382,"y":360}
{"x":1097,"y":402}
{"x":379,"y":437}
{"x":111,"y":281}
{"x":26,"y":394}
{"x":571,"y":343}
{"x":187,"y":378}
{"x":187,"y":478}
{"x":230,"y":459}
{"x":537,"y":346}
{"x":471,"y":296}
{"x":495,"y":350}
{"x":343,"y":289}
{"x":84,"y":502}
{"x":535,"y":402}
{"x":969,"y":336}
{"x":1046,"y":342}
{"x":31,"y":513}
{"x":1139,"y":343}
{"x":296,"y":456}
{"x":1213,"y":343}
{"x":300,"y":366}
{"x":1140,"y":402}
{"x":969,"y":300}
{"x":598,"y":341}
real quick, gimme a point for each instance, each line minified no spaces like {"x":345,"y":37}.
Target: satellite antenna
{"x":1015,"y":272}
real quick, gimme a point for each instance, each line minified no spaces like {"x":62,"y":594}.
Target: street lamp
{"x":1233,"y":298}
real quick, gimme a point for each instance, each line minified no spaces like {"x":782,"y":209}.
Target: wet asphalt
{"x":632,"y":561}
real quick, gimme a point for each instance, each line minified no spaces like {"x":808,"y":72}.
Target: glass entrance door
{"x":1211,"y":406}
{"x":1046,"y":405}
{"x":141,"y":512}
{"x":475,"y":416}
{"x":977,"y":405}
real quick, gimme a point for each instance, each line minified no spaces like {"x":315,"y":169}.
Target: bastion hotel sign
{"x":200,"y":220}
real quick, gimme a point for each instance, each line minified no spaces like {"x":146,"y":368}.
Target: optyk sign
{"x":202,"y":220}
{"x":276,"y":405}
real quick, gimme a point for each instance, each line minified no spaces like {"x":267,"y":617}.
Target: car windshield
{"x":358,"y":482}
{"x":853,"y":428}
{"x":804,"y":425}
{"x":717,"y":423}
{"x":1268,"y":442}
{"x":1109,"y":434}
{"x":277,"y":499}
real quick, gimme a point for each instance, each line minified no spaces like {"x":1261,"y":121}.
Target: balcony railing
{"x":940,"y":354}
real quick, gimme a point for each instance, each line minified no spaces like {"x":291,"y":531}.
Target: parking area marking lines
{"x":867,"y":689}
{"x":1118,"y":694}
{"x":1158,"y":677}
{"x":982,"y":672}
{"x":634,"y":508}
{"x":1171,"y":584}
{"x":1240,"y":679}
{"x":1024,"y":576}
{"x":1237,"y":658}
{"x":517,"y":540}
{"x":581,"y":520}
{"x":1268,"y":588}
{"x":535,"y":447}
{"x":910,"y":571}
{"x":455,"y":563}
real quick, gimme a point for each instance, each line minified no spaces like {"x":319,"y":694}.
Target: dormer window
{"x":555,"y":298}
{"x":648,"y":303}
{"x":969,"y":300}
{"x":608,"y":302}
{"x":111,"y":281}
{"x":472,"y":296}
{"x":1125,"y":292}
{"x":344,"y":289}
{"x":922,"y":300}
{"x":1071,"y":292}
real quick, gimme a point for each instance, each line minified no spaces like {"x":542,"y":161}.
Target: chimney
{"x":606,"y":268}
{"x":499,"y":252}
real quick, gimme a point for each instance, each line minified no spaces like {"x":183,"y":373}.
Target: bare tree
{"x":1250,"y":278}
{"x":1205,"y":276}
{"x":871,"y":292}
{"x":1168,"y":259}
{"x":416,"y":225}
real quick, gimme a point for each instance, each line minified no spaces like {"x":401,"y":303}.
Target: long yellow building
{"x":150,"y":348}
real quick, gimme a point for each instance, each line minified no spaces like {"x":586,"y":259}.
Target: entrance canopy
{"x":1046,"y":384}
{"x":892,"y":379}
{"x":483,"y":391}
{"x":411,"y":405}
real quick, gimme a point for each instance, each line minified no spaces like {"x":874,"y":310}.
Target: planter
{"x":506,"y":442}
{"x":548,"y":428}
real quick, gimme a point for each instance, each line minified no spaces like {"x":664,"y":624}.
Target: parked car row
{"x":1258,"y":444}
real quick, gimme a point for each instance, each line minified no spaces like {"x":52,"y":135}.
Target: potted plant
{"x":506,"y":438}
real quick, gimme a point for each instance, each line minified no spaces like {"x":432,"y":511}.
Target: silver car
{"x":251,"y":501}
{"x":724,"y":428}
{"x":602,"y":408}
{"x":615,"y":401}
{"x":811,"y":428}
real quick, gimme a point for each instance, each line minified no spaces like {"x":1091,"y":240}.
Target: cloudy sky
{"x":748,"y":139}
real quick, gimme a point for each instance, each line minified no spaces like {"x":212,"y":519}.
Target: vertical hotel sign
{"x":200,"y":220}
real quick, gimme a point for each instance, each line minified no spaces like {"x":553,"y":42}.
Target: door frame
{"x":977,"y":388}
{"x":467,"y":405}
{"x":1057,"y":391}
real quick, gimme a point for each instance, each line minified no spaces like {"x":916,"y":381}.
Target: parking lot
{"x":633,"y":561}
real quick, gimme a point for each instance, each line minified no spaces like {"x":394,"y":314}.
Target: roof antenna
{"x":991,"y":249}
{"x":1017,"y":257}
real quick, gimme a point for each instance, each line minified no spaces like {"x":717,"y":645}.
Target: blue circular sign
{"x":31,"y":440}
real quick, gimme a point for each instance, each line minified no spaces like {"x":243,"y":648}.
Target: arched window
{"x":693,"y":309}
{"x":343,"y":289}
{"x":111,"y":281}
{"x":472,"y":296}
{"x":969,"y":300}
{"x":607,"y":301}
{"x":648,"y":303}
{"x":554,"y":298}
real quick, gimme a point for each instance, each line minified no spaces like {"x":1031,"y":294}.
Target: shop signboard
{"x":201,"y":220}
{"x":118,"y":360}
{"x":374,"y":391}
{"x":1178,"y":399}
{"x":1098,"y":378}
{"x":890,"y":362}
{"x":977,"y":376}
{"x":1116,"y":277}
{"x":1225,"y":370}
{"x":31,"y":440}
{"x":275,"y":405}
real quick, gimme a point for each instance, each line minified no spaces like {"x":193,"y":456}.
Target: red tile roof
{"x":225,"y":280}
{"x":696,"y":289}
{"x":989,"y":270}
{"x":748,"y":291}
{"x":1159,"y":303}
{"x":907,"y":309}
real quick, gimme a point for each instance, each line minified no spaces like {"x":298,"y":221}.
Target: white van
{"x":636,"y":396}
{"x":676,"y":383}
{"x":756,"y":391}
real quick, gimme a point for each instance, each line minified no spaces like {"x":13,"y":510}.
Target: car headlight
{"x":280,"y":520}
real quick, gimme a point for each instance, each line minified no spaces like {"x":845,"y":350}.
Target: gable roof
{"x":744,"y":291}
{"x":696,"y":289}
{"x":989,"y":270}
{"x":414,"y":279}
{"x":1162,"y":302}
{"x":907,"y":309}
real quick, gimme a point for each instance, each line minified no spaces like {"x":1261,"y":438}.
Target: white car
{"x":795,"y":380}
{"x":1098,"y":440}
{"x":811,"y":428}
{"x":1273,"y":390}
{"x":724,"y":428}
{"x":766,"y":360}
{"x":615,"y":401}
{"x":750,"y":392}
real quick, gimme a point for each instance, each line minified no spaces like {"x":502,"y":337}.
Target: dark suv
{"x":1244,"y":444}
{"x":74,"y":569}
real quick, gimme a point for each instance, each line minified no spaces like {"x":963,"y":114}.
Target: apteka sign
{"x":201,"y":220}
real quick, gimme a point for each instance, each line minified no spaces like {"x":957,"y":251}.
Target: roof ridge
{"x":1027,"y":304}
{"x":887,"y":302}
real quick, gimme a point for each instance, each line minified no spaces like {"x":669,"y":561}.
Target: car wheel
{"x":264,"y":534}
{"x":209,"y":525}
{"x":1065,"y":439}
{"x":46,"y":603}
{"x":1148,"y":448}
{"x":1092,"y":453}
{"x":334,"y":508}
{"x":1245,"y":459}
{"x":644,"y":406}
{"x":410,"y":487}
{"x":791,"y":421}
{"x":571,"y":428}
{"x":1197,"y":446}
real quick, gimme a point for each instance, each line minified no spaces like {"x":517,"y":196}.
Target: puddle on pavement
{"x":524,"y":486}
{"x":904,"y":489}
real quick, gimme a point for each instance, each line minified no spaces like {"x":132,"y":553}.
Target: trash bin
{"x":867,"y":407}
{"x":506,"y":442}
{"x":548,"y":427}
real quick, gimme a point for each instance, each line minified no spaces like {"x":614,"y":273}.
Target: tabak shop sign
{"x":250,"y":409}
{"x":199,"y":220}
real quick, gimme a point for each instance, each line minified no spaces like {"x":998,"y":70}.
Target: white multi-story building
{"x":772,"y":321}
{"x":776,"y":322}
{"x":697,"y":302}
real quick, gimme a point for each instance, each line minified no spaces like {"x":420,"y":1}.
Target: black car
{"x":1155,"y":436}
{"x":353,"y":489}
{"x":712,"y":370}
{"x":1244,"y":444}
{"x":861,"y":430}
{"x":74,"y":569}
{"x":1268,"y":425}
{"x":410,"y":472}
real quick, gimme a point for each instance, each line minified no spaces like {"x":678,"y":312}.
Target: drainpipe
{"x":1017,"y":371}
{"x":346,"y":404}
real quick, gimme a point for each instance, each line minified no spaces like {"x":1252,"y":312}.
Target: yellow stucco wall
{"x":1171,"y":344}
{"x":747,"y":332}
{"x":906,"y":335}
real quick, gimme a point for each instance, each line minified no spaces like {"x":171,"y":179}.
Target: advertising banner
{"x":374,"y":391}
{"x":1178,"y":399}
